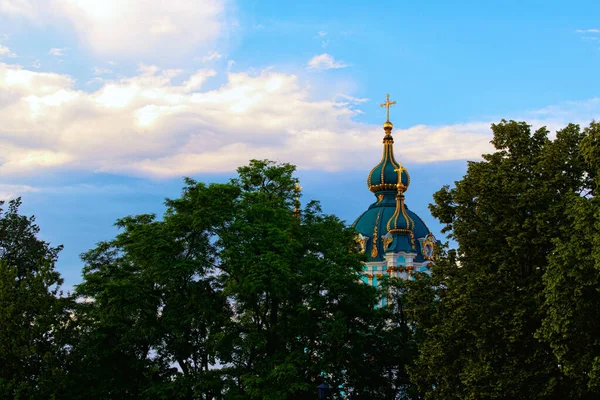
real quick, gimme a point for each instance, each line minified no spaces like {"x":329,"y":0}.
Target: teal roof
{"x":378,"y":216}
{"x":383,"y":176}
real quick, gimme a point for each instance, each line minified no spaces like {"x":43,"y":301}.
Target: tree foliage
{"x":507,"y":214}
{"x":232,"y":294}
{"x":33,"y":311}
{"x":572,"y":281}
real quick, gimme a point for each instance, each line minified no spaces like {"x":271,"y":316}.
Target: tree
{"x":33,"y":311}
{"x":151,"y":309}
{"x":235,"y":293}
{"x":19,"y":244}
{"x":572,"y":281}
{"x":505,"y":214}
{"x":299,"y":308}
{"x":384,"y":354}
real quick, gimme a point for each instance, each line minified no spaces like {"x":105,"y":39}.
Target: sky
{"x":106,"y":105}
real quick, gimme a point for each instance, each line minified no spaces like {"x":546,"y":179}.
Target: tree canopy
{"x":512,"y":218}
{"x":33,"y":311}
{"x":234,"y":293}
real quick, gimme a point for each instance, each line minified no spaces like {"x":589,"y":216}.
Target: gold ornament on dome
{"x":387,"y":239}
{"x":362,"y":242}
{"x":374,"y":251}
{"x":428,"y":247}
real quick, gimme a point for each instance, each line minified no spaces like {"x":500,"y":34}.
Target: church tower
{"x":396,"y":240}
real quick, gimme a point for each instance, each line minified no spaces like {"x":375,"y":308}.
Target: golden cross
{"x":387,"y":105}
{"x":399,"y":171}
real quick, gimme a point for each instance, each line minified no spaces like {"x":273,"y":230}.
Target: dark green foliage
{"x":151,"y":311}
{"x":19,"y":245}
{"x":572,"y":282}
{"x":233,"y":295}
{"x":294,"y":282}
{"x":33,"y":312}
{"x":506,"y":214}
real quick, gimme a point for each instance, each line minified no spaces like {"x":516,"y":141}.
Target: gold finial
{"x":400,"y":185}
{"x":387,"y":105}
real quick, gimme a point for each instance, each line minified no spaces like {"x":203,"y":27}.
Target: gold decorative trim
{"x":374,"y":251}
{"x":387,"y":239}
{"x":385,"y":186}
{"x":362,"y":241}
{"x":428,"y":242}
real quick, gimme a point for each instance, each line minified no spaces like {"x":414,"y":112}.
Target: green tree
{"x":33,"y":311}
{"x":235,"y":293}
{"x":505,"y":215}
{"x":19,"y":244}
{"x":300,"y":309}
{"x":151,"y":310}
{"x":384,"y":354}
{"x":572,"y":281}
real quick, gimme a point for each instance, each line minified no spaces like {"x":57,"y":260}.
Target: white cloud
{"x":324,"y":61}
{"x":197,"y":80}
{"x":148,"y":125}
{"x":131,"y":29}
{"x":588,"y":31}
{"x":353,"y":99}
{"x":230,"y":64}
{"x":6,"y":52}
{"x":212,"y":56}
{"x":18,"y":7}
{"x":36,"y":64}
{"x":8,"y":191}
{"x":101,"y":71}
{"x":58,"y":52}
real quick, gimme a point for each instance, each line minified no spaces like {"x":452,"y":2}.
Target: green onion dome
{"x":383,"y":176}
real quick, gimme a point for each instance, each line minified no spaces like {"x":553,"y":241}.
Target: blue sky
{"x":105,"y":106}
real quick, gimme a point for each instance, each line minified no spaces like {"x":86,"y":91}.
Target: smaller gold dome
{"x":388,"y":125}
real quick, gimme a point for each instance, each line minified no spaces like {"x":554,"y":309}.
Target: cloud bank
{"x":147,"y":125}
{"x":129,"y":28}
{"x":324,"y":61}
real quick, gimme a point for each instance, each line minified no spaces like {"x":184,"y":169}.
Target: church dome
{"x":372,"y":225}
{"x":384,"y":176}
{"x":388,"y":225}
